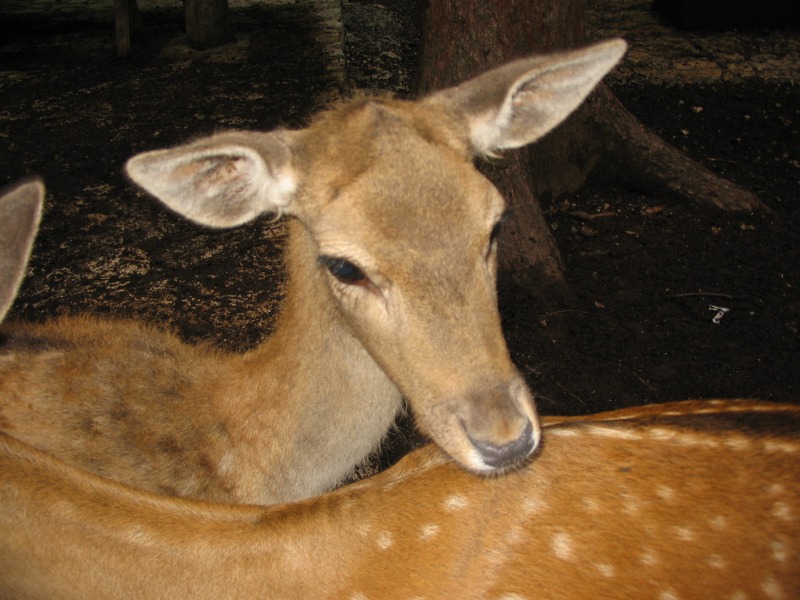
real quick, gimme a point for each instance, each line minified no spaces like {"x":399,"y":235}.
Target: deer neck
{"x":312,"y":384}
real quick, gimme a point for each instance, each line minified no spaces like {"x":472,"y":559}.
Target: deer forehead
{"x":391,"y":185}
{"x":394,"y":157}
{"x":364,"y":124}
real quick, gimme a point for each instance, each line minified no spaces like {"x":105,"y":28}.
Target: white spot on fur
{"x":605,"y":569}
{"x":562,"y":545}
{"x":692,"y":439}
{"x":455,"y":502}
{"x":737,"y":442}
{"x":358,"y":596}
{"x":363,"y":529}
{"x":776,"y":446}
{"x":772,"y":589}
{"x":717,"y":562}
{"x":649,"y":557}
{"x":779,"y":551}
{"x":562,"y":432}
{"x":531,"y":506}
{"x":591,"y":505}
{"x":665,"y":492}
{"x":514,"y":536}
{"x":384,"y":540}
{"x":512,"y":597}
{"x":610,"y":432}
{"x":661,"y":433}
{"x":719,"y":523}
{"x":684,"y":533}
{"x":428,"y":532}
{"x":775,"y":489}
{"x":387,"y":487}
{"x":782,"y":511}
{"x":668,"y":595}
{"x":632,"y":505}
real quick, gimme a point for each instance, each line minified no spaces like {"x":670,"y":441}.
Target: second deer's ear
{"x":20,"y":213}
{"x":518,"y":103}
{"x":223,"y":180}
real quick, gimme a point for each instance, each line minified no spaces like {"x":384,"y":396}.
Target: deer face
{"x":400,"y":227}
{"x":407,"y":247}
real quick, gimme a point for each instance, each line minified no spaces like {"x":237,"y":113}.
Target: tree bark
{"x":462,"y":38}
{"x":207,"y":23}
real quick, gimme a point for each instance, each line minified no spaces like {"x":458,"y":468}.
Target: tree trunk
{"x":462,"y":38}
{"x":128,"y":24}
{"x":207,"y":23}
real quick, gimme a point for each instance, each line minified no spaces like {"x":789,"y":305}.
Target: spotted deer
{"x":690,"y":500}
{"x":20,"y":213}
{"x":391,"y":261}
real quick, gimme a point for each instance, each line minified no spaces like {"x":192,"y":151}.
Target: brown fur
{"x":664,"y":501}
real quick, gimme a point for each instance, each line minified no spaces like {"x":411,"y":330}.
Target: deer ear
{"x":515,"y":104}
{"x":223,"y":180}
{"x":20,"y":213}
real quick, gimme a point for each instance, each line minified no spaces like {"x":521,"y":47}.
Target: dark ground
{"x":641,"y":329}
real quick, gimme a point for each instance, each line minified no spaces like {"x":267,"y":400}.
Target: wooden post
{"x":207,"y":23}
{"x":128,"y":23}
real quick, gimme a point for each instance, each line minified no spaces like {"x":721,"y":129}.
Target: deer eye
{"x":343,"y":270}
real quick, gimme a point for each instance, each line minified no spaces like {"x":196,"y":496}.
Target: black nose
{"x":506,"y":454}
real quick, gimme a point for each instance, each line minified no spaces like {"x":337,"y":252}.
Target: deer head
{"x":394,"y":232}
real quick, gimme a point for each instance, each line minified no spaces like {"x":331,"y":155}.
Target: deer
{"x":391,"y":258}
{"x":694,"y":499}
{"x":20,"y":215}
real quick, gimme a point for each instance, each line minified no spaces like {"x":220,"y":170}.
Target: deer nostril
{"x":506,"y":454}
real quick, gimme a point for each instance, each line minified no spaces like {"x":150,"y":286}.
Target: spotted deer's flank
{"x":391,"y":260}
{"x":20,"y":212}
{"x":681,"y":501}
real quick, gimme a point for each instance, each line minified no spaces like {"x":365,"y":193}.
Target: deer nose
{"x":506,"y":454}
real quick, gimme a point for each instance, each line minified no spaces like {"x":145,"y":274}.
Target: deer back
{"x":685,"y":500}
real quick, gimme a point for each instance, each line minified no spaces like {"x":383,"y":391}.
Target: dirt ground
{"x":673,"y":300}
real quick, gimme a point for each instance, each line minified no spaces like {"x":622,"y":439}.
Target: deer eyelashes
{"x":345,"y":272}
